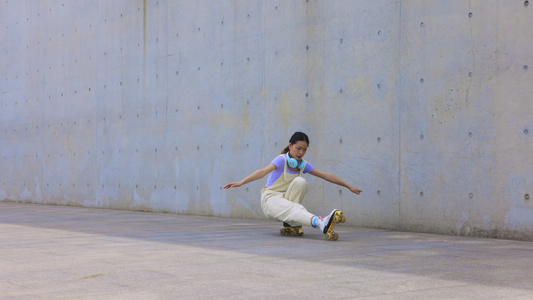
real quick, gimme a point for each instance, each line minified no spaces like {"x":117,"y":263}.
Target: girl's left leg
{"x":279,"y":208}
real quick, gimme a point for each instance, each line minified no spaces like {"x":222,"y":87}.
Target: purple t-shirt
{"x":279,"y":162}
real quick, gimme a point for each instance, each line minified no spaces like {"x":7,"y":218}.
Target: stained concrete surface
{"x":57,"y":252}
{"x":154,"y":105}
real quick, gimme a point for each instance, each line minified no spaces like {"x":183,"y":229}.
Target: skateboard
{"x":338,"y":217}
{"x":290,"y":230}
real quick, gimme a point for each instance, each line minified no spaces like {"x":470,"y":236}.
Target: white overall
{"x":281,"y":200}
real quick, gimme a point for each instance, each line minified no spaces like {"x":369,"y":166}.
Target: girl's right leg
{"x":297,"y":190}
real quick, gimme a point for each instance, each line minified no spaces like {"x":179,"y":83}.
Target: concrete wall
{"x":154,"y":105}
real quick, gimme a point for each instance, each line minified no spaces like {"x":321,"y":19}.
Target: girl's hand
{"x":232,"y":184}
{"x":355,"y":190}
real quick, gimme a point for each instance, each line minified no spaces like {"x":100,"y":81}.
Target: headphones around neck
{"x":293,"y":162}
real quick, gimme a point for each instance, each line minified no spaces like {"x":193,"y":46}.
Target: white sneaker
{"x":325,"y":222}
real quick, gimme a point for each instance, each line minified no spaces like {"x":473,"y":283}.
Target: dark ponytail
{"x":285,"y":150}
{"x":297,"y":136}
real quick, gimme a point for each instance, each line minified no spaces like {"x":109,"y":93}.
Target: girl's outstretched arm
{"x":252,"y":177}
{"x":334,"y":179}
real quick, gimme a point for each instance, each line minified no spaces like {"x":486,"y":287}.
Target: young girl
{"x":285,"y":190}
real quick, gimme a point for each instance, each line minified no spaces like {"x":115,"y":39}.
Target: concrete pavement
{"x":56,"y":252}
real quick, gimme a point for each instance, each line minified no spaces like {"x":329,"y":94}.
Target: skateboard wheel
{"x":283,"y":231}
{"x":343,"y":219}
